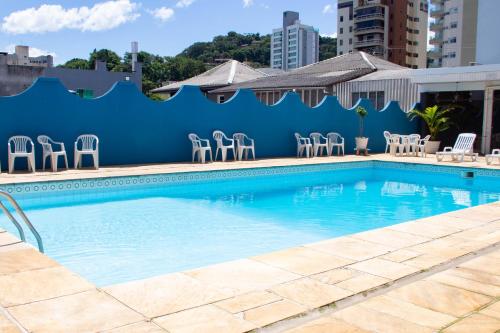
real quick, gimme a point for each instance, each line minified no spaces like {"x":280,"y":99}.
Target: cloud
{"x":164,"y":14}
{"x":247,"y":3}
{"x":34,"y":52}
{"x":50,"y":18}
{"x":184,"y":3}
{"x":265,"y":6}
{"x":332,"y":35}
{"x":328,"y":9}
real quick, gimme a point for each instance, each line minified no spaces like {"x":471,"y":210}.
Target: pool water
{"x":112,"y":236}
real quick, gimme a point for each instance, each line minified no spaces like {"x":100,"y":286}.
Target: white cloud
{"x":49,"y":18}
{"x":247,"y":3}
{"x":265,"y":6}
{"x":164,"y":14}
{"x":34,"y":52}
{"x":328,"y":9}
{"x":184,"y":3}
{"x":332,"y":35}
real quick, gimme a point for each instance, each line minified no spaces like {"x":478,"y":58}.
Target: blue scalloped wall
{"x":133,"y":129}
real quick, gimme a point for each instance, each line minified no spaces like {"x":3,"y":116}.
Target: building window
{"x":453,"y":25}
{"x":341,"y":42}
{"x":376,"y":97}
{"x":341,"y":18}
{"x":341,"y":53}
{"x":453,"y":40}
{"x":221,"y":99}
{"x":341,"y":30}
{"x":452,"y":55}
{"x":453,"y":10}
{"x":350,"y":28}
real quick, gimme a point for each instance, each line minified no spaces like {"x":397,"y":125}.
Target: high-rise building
{"x":294,"y":44}
{"x":21,"y":57}
{"x":487,"y":40}
{"x":393,"y":30}
{"x":454,"y":26}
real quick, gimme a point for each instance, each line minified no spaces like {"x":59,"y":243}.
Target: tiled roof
{"x":230,"y":72}
{"x":324,"y":73}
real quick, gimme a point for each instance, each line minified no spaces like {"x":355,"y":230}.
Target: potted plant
{"x":361,"y":140}
{"x":436,"y":120}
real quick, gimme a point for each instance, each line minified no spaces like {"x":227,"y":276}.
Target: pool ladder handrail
{"x":25,"y":219}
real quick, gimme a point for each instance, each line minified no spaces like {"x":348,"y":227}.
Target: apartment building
{"x":294,"y":44}
{"x":21,"y":57}
{"x":454,"y":26}
{"x":393,"y":30}
{"x":488,"y":39}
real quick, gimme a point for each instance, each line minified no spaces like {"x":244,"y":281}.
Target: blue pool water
{"x":116,"y":235}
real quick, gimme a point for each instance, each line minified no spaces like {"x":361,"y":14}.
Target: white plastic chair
{"x":244,"y":144}
{"x":319,"y":143}
{"x":335,"y":140}
{"x":89,"y":144}
{"x":464,"y":146}
{"x":394,"y":143}
{"x":200,"y":147}
{"x":48,"y":151}
{"x":387,"y":136}
{"x":303,"y":145}
{"x":20,"y":145}
{"x":421,"y":146}
{"x":223,"y":144}
{"x":413,"y":141}
{"x":495,"y":153}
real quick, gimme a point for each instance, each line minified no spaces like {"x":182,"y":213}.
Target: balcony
{"x":368,"y":30}
{"x":437,"y":12}
{"x":434,"y":54}
{"x":371,"y":16}
{"x":369,"y":42}
{"x":436,"y":26}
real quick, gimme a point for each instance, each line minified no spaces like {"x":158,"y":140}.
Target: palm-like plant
{"x":434,"y":117}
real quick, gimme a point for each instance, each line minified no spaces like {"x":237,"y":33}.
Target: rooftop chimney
{"x":135,"y":50}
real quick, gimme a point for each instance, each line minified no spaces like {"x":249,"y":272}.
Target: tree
{"x":111,"y":58}
{"x":327,"y":47}
{"x":435,"y":118}
{"x":76,"y":63}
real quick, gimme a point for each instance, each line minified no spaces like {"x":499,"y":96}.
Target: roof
{"x":271,"y":71}
{"x":321,"y":74}
{"x":227,"y":73}
{"x":389,"y":74}
{"x":478,"y":73}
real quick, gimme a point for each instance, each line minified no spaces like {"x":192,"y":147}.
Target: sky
{"x":70,"y":29}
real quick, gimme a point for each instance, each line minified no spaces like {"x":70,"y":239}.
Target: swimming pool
{"x":119,"y":229}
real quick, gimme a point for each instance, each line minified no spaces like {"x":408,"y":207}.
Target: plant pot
{"x":432,"y":147}
{"x":361,"y":143}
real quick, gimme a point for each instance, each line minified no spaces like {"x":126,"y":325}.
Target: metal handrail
{"x":26,"y":221}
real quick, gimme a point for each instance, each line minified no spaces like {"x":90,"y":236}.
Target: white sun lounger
{"x":464,"y":146}
{"x":495,"y":153}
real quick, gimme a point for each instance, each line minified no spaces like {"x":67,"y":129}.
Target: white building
{"x":488,"y":38}
{"x":294,"y":44}
{"x":21,"y":58}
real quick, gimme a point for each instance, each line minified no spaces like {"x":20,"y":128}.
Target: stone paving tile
{"x":327,"y":324}
{"x":141,"y":327}
{"x":424,"y":229}
{"x":206,"y":319}
{"x":477,"y":214}
{"x":273,"y":312}
{"x":89,"y":311}
{"x":439,"y":297}
{"x":452,"y":221}
{"x":362,"y":282}
{"x":475,"y":275}
{"x":335,"y":275}
{"x":392,"y":238}
{"x":24,"y":260}
{"x":8,"y":239}
{"x":165,"y":294}
{"x":248,"y":301}
{"x":375,"y":321}
{"x":16,"y":247}
{"x":384,"y":268}
{"x":6,"y":326}
{"x":241,"y":276}
{"x":456,"y":281}
{"x":476,"y":323}
{"x":400,"y":255}
{"x":302,"y":260}
{"x":426,"y":261}
{"x":36,"y":285}
{"x":408,"y":312}
{"x":310,"y":292}
{"x":351,"y":248}
{"x":488,"y":264}
{"x":492,"y":310}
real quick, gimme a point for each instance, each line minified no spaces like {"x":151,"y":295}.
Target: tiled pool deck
{"x":433,"y":274}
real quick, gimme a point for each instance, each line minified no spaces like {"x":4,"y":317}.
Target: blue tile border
{"x":121,"y":182}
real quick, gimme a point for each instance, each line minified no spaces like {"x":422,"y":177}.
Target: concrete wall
{"x":488,"y":39}
{"x":134,"y":129}
{"x":14,"y":79}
